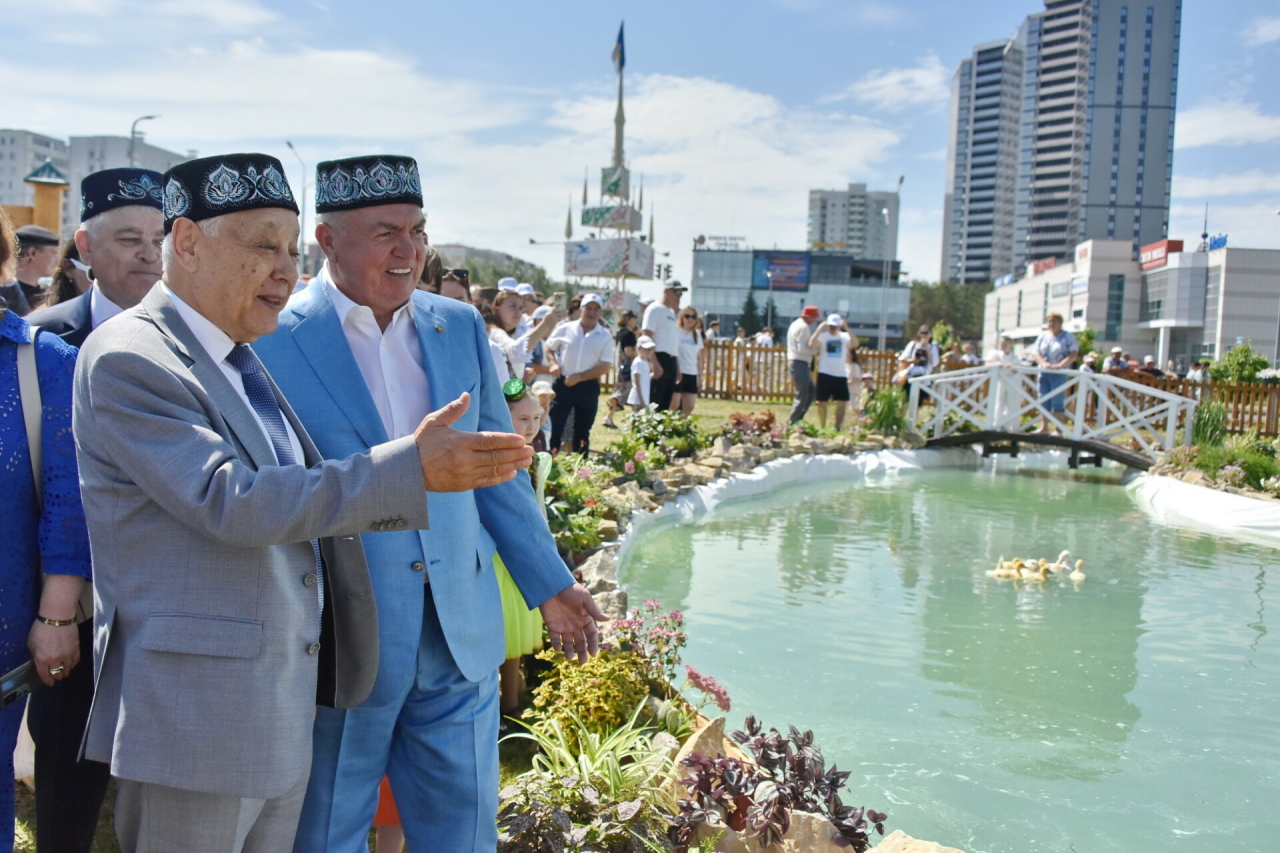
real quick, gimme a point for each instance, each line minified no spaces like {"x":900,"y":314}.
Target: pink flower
{"x":630,"y":467}
{"x":709,"y":686}
{"x":584,"y":473}
{"x":641,"y":456}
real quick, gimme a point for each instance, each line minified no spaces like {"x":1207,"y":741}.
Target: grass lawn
{"x":711,"y":414}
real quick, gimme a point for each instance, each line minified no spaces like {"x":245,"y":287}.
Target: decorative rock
{"x":721,"y":446}
{"x":1195,"y":477}
{"x":768,"y":455}
{"x":868,"y":445}
{"x":708,"y":740}
{"x":612,"y":603}
{"x":714,"y":462}
{"x":899,"y":842}
{"x":658,"y":487}
{"x":809,"y":833}
{"x":912,"y":440}
{"x":608,"y":530}
{"x":891,"y":442}
{"x":600,"y":572}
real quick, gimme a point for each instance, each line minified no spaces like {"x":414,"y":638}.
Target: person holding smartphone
{"x":43,"y":528}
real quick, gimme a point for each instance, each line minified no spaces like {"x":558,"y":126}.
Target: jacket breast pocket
{"x":202,"y":635}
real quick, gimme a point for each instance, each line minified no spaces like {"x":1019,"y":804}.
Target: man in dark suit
{"x":121,"y":229}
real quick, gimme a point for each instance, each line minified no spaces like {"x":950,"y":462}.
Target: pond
{"x":1140,"y":711}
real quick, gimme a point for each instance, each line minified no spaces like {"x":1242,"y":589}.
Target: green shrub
{"x":600,"y":693}
{"x":666,"y":429}
{"x":1257,"y":467}
{"x":1242,"y":363}
{"x":1210,"y":425}
{"x":886,"y":412}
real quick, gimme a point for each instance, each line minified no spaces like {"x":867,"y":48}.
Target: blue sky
{"x":735,"y":110}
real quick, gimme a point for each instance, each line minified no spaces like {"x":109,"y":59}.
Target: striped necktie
{"x":258,"y":390}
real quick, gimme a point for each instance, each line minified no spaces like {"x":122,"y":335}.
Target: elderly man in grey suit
{"x":231,"y":589}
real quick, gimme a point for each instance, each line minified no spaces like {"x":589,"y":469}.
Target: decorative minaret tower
{"x":624,"y":254}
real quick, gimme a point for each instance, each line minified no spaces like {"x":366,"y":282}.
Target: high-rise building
{"x":982,"y":164}
{"x":854,"y":221}
{"x":21,"y":153}
{"x":1096,"y":119}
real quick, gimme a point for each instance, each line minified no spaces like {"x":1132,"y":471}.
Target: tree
{"x":1086,"y":340}
{"x":959,"y":305}
{"x":1240,"y":364}
{"x":749,"y":319}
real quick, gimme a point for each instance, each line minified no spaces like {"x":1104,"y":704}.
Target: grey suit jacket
{"x":205,"y":653}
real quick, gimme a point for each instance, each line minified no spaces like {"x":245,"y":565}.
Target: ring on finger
{"x":56,"y":670}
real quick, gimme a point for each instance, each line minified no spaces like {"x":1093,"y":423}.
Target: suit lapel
{"x":233,"y":409}
{"x":319,"y":336}
{"x":433,"y":339}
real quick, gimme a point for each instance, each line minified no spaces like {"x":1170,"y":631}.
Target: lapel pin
{"x":439,"y":328}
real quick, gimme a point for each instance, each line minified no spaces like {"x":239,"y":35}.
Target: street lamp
{"x":884,"y":275}
{"x":133,"y":137}
{"x":302,"y":224}
{"x":768,"y":323}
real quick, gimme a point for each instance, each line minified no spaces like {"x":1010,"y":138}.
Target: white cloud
{"x":1262,"y":31}
{"x":1243,"y":183}
{"x":1224,"y":123}
{"x":894,"y":89}
{"x":1250,"y":226}
{"x":230,"y":14}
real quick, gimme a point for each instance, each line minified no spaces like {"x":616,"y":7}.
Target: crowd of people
{"x":273,"y":547}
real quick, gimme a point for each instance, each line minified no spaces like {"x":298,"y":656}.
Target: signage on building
{"x":1082,"y":252}
{"x":787,"y":271}
{"x":1004,"y":280}
{"x":1080,"y":284}
{"x":1219,"y":242}
{"x":622,"y":216}
{"x":615,"y":181}
{"x":726,"y":244}
{"x":1062,"y":288}
{"x":1156,"y":255}
{"x":1037,"y":267}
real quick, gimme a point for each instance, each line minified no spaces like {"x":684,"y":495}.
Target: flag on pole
{"x":619,"y":53}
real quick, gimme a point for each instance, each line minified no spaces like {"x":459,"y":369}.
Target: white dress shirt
{"x":101,"y":309}
{"x":661,"y":320}
{"x":219,"y":345}
{"x":390,"y":362}
{"x":578,"y":350}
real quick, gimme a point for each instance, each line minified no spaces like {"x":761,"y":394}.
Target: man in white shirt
{"x":579,"y":353}
{"x":832,"y":342}
{"x":1114,"y":362}
{"x":359,"y":354}
{"x":660,"y":323}
{"x":800,"y":355}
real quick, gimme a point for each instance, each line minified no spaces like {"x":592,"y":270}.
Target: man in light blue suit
{"x":358,"y":354}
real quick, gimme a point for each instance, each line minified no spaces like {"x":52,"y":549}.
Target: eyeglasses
{"x":690,"y":316}
{"x":514,"y":390}
{"x":457,"y":273}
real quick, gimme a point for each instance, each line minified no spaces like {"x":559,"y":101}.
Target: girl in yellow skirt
{"x":523,"y":626}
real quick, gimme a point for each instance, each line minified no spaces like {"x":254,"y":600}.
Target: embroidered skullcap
{"x":357,"y":182}
{"x":507,"y":283}
{"x":112,"y":188}
{"x":229,"y":183}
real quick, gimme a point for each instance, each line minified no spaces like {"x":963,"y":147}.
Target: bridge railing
{"x":1096,"y":407}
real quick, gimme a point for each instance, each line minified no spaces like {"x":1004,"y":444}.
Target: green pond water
{"x":1140,"y":712}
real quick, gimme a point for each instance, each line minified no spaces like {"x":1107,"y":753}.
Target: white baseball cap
{"x":507,"y":283}
{"x":833,"y":319}
{"x":645,"y":342}
{"x":541,"y":311}
{"x":525,"y":289}
{"x":590,"y":298}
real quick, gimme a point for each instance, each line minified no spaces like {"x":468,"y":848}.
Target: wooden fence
{"x":763,"y":375}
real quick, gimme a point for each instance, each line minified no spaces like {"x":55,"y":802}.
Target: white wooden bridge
{"x":988,"y":405}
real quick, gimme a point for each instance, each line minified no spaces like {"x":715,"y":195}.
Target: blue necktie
{"x":258,"y":390}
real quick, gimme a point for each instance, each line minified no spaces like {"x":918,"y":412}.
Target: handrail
{"x":1097,"y":407}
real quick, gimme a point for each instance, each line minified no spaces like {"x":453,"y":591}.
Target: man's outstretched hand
{"x":456,"y":461}
{"x":571,"y":616}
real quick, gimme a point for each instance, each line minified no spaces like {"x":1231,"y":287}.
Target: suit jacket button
{"x":401,"y":524}
{"x":314,"y":648}
{"x":417,"y":566}
{"x":309,"y":580}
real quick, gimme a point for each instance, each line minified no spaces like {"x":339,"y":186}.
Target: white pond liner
{"x":1178,"y":504}
{"x":795,"y":469}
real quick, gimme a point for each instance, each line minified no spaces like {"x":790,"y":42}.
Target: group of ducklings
{"x":1038,"y":570}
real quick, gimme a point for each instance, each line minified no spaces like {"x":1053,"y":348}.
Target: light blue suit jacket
{"x":309,"y":358}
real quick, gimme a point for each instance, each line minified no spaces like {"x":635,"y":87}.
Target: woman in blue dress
{"x":36,"y":622}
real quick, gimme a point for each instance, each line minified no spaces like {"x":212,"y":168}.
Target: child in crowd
{"x":642,"y":373}
{"x":546,"y":393}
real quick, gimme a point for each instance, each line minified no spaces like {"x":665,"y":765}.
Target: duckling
{"x":1038,"y":574}
{"x":1078,"y":575}
{"x":1063,"y":563}
{"x":1004,"y":571}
